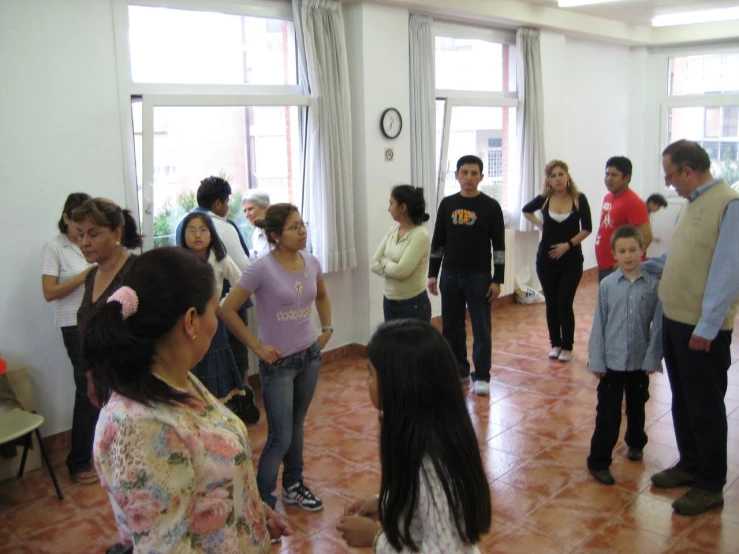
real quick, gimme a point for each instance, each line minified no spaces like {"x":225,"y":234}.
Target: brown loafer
{"x":672,"y":478}
{"x":696,"y":501}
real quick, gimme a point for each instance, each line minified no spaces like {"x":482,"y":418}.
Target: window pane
{"x":490,"y":134}
{"x":471,"y":64}
{"x":178,"y":46}
{"x":191,"y":143}
{"x":693,"y":124}
{"x":708,"y":74}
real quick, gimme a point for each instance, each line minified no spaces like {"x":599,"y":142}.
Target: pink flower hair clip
{"x":128,"y":299}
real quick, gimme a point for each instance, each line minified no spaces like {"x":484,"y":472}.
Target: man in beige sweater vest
{"x":700,"y":295}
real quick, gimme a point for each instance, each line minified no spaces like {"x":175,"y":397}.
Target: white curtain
{"x":530,"y":122}
{"x":423,"y":111}
{"x":323,"y":69}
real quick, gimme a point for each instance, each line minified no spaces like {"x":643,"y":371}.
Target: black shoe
{"x":602,"y":476}
{"x":635,"y":454}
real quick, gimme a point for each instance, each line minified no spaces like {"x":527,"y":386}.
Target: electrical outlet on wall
{"x":389,"y":154}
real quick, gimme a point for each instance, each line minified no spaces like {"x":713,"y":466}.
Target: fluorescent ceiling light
{"x":703,"y":16}
{"x":575,"y":3}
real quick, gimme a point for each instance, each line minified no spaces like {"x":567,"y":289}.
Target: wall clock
{"x":391,"y":123}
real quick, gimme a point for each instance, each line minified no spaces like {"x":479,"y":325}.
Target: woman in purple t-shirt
{"x":285,"y":283}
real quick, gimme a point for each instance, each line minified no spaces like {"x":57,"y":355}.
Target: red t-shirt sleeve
{"x":636,"y":211}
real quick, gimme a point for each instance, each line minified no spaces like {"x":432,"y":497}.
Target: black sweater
{"x":555,"y":232}
{"x":465,"y":229}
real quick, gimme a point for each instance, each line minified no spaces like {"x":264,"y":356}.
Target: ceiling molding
{"x":513,"y":14}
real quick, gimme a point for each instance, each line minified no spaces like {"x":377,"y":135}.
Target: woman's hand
{"x":545,"y":187}
{"x":323,"y":338}
{"x":267,"y":353}
{"x":276,"y":524}
{"x":358,"y":531}
{"x":558,"y":250}
{"x":368,"y":506}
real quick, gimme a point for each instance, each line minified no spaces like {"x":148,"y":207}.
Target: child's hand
{"x":599,"y":375}
{"x":357,"y":531}
{"x":368,"y":506}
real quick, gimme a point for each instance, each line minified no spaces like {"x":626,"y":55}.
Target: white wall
{"x":586,"y":88}
{"x":377,"y":42}
{"x":59,"y":133}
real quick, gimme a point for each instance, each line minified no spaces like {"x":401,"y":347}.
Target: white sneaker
{"x":482,"y":388}
{"x":565,"y":356}
{"x":554,"y":352}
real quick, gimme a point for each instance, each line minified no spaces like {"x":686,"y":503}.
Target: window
{"x":476,"y":108}
{"x":199,"y":108}
{"x":702,"y":104}
{"x":179,"y":46}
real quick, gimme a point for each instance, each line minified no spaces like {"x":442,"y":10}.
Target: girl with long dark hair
{"x":218,"y":370}
{"x":434,"y":495}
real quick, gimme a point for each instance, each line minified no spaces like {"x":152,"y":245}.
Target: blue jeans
{"x":418,"y":307}
{"x":460,"y":290}
{"x":287,"y":390}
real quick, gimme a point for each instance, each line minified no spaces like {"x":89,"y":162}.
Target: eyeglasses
{"x":296,"y":227}
{"x":201,"y":230}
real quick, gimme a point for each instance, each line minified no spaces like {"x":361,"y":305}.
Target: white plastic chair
{"x":16,"y":423}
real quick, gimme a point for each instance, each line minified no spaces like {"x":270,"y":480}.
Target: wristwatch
{"x":327,"y":328}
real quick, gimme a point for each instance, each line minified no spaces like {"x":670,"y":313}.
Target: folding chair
{"x":16,"y":423}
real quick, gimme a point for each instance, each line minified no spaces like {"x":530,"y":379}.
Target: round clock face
{"x":391,"y":123}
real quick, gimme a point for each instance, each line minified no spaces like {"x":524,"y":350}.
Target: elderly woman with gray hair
{"x":255,"y":204}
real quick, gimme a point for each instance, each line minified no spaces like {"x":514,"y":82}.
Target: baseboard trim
{"x":63,"y":440}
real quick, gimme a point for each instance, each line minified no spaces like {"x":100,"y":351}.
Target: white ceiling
{"x":640,"y":11}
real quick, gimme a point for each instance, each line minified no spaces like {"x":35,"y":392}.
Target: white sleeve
{"x":231,"y":271}
{"x":231,"y":240}
{"x":51,"y":263}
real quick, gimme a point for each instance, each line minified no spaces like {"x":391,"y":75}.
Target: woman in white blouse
{"x":403,"y":257}
{"x":62,"y":279}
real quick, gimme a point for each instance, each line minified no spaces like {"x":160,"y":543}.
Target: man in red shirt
{"x":621,"y":206}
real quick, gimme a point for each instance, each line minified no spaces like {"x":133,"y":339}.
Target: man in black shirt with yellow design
{"x":467,"y":224}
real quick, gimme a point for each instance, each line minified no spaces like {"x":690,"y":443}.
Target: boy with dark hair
{"x":467,"y":224}
{"x":628,"y":318}
{"x":621,"y":206}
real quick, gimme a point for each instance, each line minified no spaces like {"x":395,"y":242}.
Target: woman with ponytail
{"x":105,"y":232}
{"x":175,"y":462}
{"x":403,"y":256}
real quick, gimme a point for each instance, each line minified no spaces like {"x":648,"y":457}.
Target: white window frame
{"x":667,"y":101}
{"x":468,"y":98}
{"x":172,"y":94}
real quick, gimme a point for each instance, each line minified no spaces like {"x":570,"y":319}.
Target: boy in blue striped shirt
{"x":625,"y":347}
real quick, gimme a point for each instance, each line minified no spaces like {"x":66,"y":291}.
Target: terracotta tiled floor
{"x":534,"y":432}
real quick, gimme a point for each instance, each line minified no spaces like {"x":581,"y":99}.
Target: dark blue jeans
{"x":460,"y":290}
{"x":287,"y":390}
{"x":85,"y":415}
{"x":418,"y":307}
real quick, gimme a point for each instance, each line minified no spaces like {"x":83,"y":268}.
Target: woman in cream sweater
{"x":403,"y":256}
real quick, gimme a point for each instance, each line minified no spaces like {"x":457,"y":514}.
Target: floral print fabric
{"x":180,"y":478}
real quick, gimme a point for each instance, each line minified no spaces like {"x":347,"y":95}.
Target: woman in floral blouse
{"x":176,"y":463}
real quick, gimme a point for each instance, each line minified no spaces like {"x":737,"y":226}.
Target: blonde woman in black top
{"x":565,"y":224}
